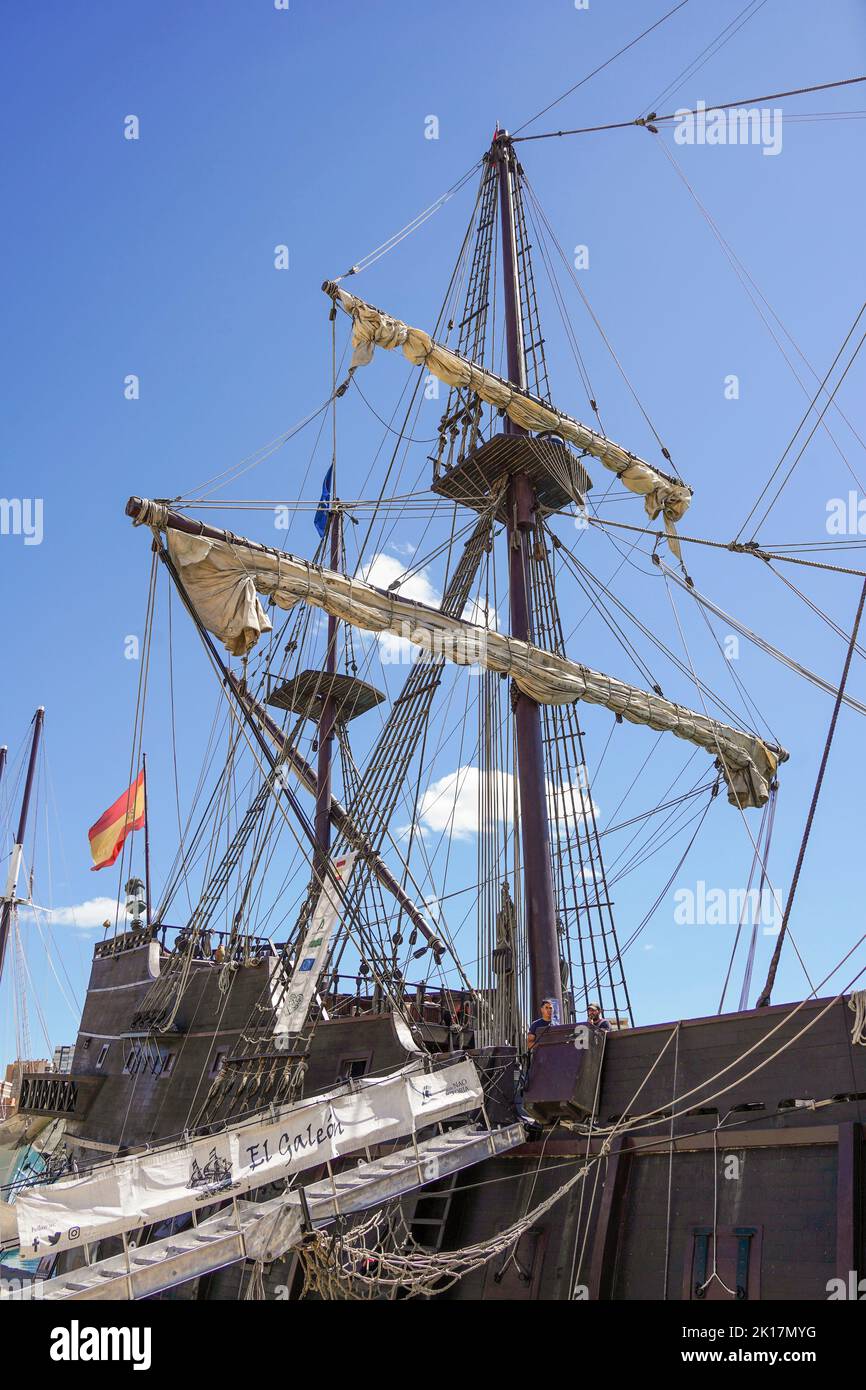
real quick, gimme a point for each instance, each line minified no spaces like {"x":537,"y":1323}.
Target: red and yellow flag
{"x":107,"y":836}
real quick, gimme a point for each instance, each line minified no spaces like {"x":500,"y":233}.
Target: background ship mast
{"x":9,"y":899}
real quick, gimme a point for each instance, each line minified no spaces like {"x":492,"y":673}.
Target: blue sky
{"x":155,"y":257}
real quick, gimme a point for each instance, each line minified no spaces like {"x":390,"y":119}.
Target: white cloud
{"x":383,"y":570}
{"x":451,"y":803}
{"x":86,"y":915}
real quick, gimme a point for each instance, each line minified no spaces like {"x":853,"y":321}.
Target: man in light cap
{"x":596,"y":1020}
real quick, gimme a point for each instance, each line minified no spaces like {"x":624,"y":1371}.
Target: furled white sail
{"x":225,"y":578}
{"x":371,"y":328}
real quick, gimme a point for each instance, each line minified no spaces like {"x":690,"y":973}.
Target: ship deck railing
{"x":343,"y":996}
{"x":205,"y":946}
{"x":347,"y":996}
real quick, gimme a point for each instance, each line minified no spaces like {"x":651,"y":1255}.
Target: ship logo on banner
{"x":215,"y":1176}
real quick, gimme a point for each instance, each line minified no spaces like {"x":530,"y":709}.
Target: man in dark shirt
{"x":596,"y":1020}
{"x":538,"y":1025}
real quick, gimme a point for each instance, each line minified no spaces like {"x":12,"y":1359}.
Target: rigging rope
{"x":764,"y":1000}
{"x":355,"y":1264}
{"x":597,"y":322}
{"x":735,"y":547}
{"x":857,"y":1004}
{"x":741,"y":809}
{"x":595,"y":71}
{"x":760,"y":642}
{"x":404,"y":232}
{"x":652,"y":120}
{"x":810,"y":436}
{"x":709,"y":51}
{"x":757,"y":298}
{"x":234,"y":471}
{"x":764,"y":859}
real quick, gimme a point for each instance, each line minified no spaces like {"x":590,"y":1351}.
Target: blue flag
{"x":320,"y":520}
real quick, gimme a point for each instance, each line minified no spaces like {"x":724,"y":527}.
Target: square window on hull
{"x":352,"y":1067}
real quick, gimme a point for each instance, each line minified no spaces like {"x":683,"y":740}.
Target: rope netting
{"x":379,"y":1257}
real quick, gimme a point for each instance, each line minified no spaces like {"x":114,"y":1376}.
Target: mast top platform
{"x":555,"y":471}
{"x":307,"y":692}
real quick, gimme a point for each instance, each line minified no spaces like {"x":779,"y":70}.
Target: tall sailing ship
{"x":328,"y":1093}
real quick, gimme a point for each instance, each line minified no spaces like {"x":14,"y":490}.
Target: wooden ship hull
{"x":765,"y":1166}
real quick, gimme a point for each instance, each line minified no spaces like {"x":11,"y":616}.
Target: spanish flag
{"x":107,"y":836}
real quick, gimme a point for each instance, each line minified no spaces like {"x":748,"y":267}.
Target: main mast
{"x":541,"y":929}
{"x":10,"y":898}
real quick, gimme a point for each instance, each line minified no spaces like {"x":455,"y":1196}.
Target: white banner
{"x":135,"y":1192}
{"x":86,"y":1209}
{"x":314,"y":950}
